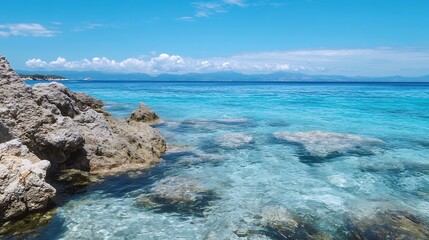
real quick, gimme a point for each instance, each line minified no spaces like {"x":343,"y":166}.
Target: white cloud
{"x":240,"y":3}
{"x":351,"y":62}
{"x":205,"y":9}
{"x":186,"y":19}
{"x":25,"y":29}
{"x":208,"y":8}
{"x":91,"y":26}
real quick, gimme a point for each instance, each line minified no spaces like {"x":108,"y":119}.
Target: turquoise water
{"x":248,"y":173}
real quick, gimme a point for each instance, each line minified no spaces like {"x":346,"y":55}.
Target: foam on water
{"x":261,"y":173}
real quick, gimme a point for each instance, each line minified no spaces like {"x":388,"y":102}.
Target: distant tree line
{"x":41,"y":77}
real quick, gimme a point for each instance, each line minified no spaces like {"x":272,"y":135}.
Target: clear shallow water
{"x":264,"y":172}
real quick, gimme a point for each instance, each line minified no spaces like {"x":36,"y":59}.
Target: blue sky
{"x":348,"y":37}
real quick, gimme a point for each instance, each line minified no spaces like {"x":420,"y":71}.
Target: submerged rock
{"x":235,"y":140}
{"x":278,"y":223}
{"x":387,"y":225}
{"x":27,"y":225}
{"x":319,"y":144}
{"x":144,"y":114}
{"x":70,"y":130}
{"x":178,"y":194}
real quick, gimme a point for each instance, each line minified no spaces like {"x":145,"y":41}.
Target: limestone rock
{"x":143,"y":114}
{"x":70,"y":130}
{"x":23,"y":188}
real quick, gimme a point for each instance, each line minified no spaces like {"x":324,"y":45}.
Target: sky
{"x":341,"y":37}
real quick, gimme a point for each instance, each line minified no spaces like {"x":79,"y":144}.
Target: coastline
{"x":48,"y":129}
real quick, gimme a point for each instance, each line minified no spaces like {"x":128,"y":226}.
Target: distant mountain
{"x":225,"y":76}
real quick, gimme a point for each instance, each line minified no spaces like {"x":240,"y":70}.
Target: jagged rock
{"x":143,"y":114}
{"x":23,"y":188}
{"x":70,"y":130}
{"x":326,"y":145}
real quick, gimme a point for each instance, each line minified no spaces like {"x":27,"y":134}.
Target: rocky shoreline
{"x":47,"y":129}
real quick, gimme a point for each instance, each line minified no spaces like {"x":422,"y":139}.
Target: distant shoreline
{"x":41,"y":77}
{"x":425,"y":83}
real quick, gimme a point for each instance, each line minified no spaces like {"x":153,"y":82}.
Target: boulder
{"x":23,"y":188}
{"x":143,"y":114}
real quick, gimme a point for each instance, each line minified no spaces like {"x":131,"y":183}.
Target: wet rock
{"x":278,"y":223}
{"x":23,"y":188}
{"x":321,"y":145}
{"x":387,"y":225}
{"x":172,"y":148}
{"x":178,"y":194}
{"x":235,"y":140}
{"x":211,"y":125}
{"x":143,"y":114}
{"x":76,"y":177}
{"x":27,"y":225}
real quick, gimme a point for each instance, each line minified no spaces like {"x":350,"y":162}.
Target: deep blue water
{"x":249,"y":177}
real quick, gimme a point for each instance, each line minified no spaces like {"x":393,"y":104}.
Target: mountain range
{"x":225,"y":76}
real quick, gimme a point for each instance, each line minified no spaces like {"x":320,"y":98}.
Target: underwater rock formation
{"x":319,"y":144}
{"x":387,"y":225}
{"x":178,"y":194}
{"x":235,"y":140}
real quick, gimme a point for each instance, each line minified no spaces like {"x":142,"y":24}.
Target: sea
{"x":237,"y":175}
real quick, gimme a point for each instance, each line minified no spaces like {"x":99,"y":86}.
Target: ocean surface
{"x":225,"y":147}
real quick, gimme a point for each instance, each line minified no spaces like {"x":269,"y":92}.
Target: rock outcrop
{"x":143,"y":114}
{"x":23,"y":188}
{"x":71,"y":131}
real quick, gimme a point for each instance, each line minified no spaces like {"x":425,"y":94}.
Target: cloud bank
{"x":25,"y":29}
{"x":350,"y":62}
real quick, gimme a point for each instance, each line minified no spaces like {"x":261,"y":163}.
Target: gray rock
{"x":4,"y":133}
{"x":23,"y":188}
{"x":143,"y":114}
{"x":70,"y":130}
